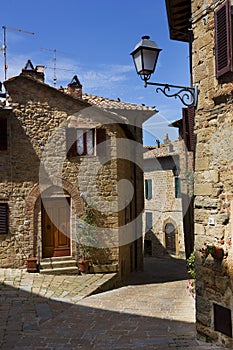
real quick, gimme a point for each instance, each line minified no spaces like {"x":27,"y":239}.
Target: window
{"x":149,"y":220}
{"x":3,"y":134}
{"x":222,"y":320}
{"x":148,"y":189}
{"x":3,"y":218}
{"x":82,"y":142}
{"x":177,"y":188}
{"x":223,"y":39}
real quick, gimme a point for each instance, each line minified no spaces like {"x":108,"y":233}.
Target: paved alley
{"x":153,"y":310}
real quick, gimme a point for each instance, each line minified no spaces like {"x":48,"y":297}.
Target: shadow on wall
{"x":153,"y":246}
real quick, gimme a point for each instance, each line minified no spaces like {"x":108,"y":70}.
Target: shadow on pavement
{"x":159,"y":270}
{"x":29,"y":322}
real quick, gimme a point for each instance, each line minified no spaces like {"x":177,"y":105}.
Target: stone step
{"x":60,"y":271}
{"x":57,"y":258}
{"x":59,"y":266}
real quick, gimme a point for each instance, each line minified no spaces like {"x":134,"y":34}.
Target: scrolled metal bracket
{"x":187,"y":95}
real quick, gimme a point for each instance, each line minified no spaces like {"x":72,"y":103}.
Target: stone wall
{"x":213,"y":174}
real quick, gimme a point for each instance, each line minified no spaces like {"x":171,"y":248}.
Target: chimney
{"x":75,"y":88}
{"x":35,"y":73}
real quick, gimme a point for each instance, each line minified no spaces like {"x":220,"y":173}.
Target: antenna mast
{"x":54,"y":64}
{"x":5,"y":45}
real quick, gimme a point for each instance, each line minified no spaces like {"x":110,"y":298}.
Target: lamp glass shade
{"x":145,"y":56}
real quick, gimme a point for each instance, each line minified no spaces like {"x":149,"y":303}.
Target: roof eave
{"x":179,"y":26}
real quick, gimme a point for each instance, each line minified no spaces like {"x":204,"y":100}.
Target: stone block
{"x":203,"y":189}
{"x":202,"y":164}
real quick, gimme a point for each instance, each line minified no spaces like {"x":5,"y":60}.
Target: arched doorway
{"x":170,"y":238}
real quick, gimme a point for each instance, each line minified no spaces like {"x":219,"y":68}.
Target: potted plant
{"x":211,"y":249}
{"x":32,"y":264}
{"x":86,"y":238}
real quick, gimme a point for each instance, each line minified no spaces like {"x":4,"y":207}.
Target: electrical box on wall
{"x":211,"y":221}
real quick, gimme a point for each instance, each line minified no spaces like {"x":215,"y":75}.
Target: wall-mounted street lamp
{"x":145,"y":56}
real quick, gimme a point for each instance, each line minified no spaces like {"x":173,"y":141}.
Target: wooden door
{"x":55,"y":227}
{"x":170,"y":237}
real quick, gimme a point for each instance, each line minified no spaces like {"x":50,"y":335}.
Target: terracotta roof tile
{"x":114,"y":104}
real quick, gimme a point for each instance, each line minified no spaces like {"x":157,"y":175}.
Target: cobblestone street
{"x":151,"y":311}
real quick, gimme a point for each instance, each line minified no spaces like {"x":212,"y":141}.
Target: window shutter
{"x":191,"y":116}
{"x":185,"y":126}
{"x":101,"y":137}
{"x":148,"y":188}
{"x":188,"y":115}
{"x":3,"y":134}
{"x":3,"y":218}
{"x":71,"y":141}
{"x":223,"y":39}
{"x":149,"y":222}
{"x":177,"y":188}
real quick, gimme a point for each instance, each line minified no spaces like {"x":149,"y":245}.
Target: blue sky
{"x":94,"y":39}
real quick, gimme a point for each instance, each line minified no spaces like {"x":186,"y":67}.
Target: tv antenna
{"x":55,"y":63}
{"x":5,"y":28}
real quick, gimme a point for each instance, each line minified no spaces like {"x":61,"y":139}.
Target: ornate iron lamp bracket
{"x":187,"y":95}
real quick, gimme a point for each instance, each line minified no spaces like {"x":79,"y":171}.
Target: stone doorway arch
{"x":170,"y":236}
{"x":34,"y":208}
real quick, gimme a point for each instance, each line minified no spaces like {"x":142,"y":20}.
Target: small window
{"x":149,"y":220}
{"x":177,"y":188}
{"x":3,"y":218}
{"x":83,"y":142}
{"x":3,"y":134}
{"x":148,"y":189}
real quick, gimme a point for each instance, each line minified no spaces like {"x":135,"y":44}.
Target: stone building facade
{"x":61,"y":150}
{"x":166,"y":170}
{"x":209,"y":33}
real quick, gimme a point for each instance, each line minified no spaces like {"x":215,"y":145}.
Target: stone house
{"x":61,"y":150}
{"x":207,"y":27}
{"x":168,"y":173}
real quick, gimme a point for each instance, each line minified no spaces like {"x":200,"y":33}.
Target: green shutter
{"x":148,"y":189}
{"x":149,"y":221}
{"x":177,"y":187}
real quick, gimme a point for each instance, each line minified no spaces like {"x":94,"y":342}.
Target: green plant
{"x":191,"y":265}
{"x":190,"y":262}
{"x":86,"y":234}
